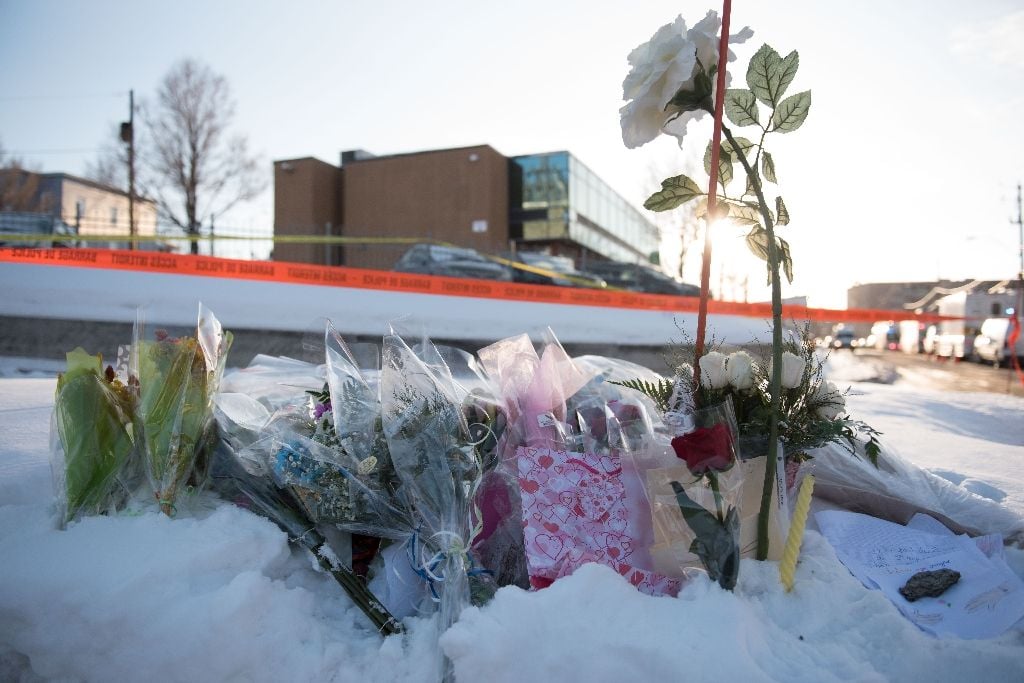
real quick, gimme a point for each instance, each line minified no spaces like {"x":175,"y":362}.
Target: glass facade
{"x":555,"y":198}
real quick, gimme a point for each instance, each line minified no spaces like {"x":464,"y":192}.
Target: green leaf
{"x":785,"y":258}
{"x":750,"y":187}
{"x":742,"y":214}
{"x":768,"y":168}
{"x":780,"y":209}
{"x":784,"y":75}
{"x":757,"y":242}
{"x":768,"y":74}
{"x":724,"y":163}
{"x":699,"y":97}
{"x":791,"y":112}
{"x":674,"y":192}
{"x":687,"y":100}
{"x":756,"y":206}
{"x":744,"y":144}
{"x":741,"y":107}
{"x":763,"y":66}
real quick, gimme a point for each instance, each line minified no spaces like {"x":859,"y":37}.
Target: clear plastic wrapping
{"x":177,"y":381}
{"x":695,"y":503}
{"x":897,"y":489}
{"x":91,"y":438}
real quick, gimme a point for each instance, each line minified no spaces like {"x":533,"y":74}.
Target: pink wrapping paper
{"x":575,"y":510}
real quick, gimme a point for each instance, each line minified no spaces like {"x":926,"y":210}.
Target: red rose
{"x":705,"y":448}
{"x":592,"y":420}
{"x":625,"y":412}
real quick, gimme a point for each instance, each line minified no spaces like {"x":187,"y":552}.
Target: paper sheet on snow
{"x":988,"y":599}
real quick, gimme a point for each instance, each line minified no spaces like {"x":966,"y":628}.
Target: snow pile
{"x":217,"y":593}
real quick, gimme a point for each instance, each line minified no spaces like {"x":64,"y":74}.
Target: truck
{"x":955,"y":338}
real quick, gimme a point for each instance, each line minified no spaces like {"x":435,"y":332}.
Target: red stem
{"x":705,"y":269}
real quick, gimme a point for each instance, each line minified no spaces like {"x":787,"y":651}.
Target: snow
{"x":217,"y":593}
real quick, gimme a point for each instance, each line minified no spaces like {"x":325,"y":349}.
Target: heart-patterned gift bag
{"x":576,"y":510}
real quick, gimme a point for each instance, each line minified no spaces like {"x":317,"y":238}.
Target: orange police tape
{"x":359,"y":278}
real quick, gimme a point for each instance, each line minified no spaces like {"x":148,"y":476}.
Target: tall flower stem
{"x":775,"y":384}
{"x":713,"y":480}
{"x":705,"y":270}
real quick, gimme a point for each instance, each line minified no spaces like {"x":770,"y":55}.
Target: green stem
{"x":357,"y":591}
{"x":775,"y":386}
{"x":713,"y":478}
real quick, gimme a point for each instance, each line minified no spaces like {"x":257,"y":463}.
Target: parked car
{"x":563,"y":271}
{"x":885,"y":335}
{"x":844,"y":339}
{"x":638,"y":278}
{"x":993,"y":344}
{"x":433,"y":259}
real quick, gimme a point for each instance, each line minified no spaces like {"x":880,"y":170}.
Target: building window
{"x":113,"y":216}
{"x":79,"y":211}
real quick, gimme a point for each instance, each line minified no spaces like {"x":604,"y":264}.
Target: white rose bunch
{"x":740,"y":367}
{"x":713,"y":373}
{"x":660,"y":68}
{"x":793,"y":367}
{"x":831,"y":400}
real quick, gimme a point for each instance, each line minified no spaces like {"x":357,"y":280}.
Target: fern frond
{"x":660,"y":392}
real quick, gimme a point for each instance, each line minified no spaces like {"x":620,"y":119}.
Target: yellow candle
{"x":787,"y":567}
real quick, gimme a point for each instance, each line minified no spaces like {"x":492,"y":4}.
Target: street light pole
{"x":1019,"y":312}
{"x":128,"y":137}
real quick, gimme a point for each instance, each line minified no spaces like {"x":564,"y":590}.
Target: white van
{"x":992,"y":345}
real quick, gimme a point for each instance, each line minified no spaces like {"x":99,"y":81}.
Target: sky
{"x":905,"y":170}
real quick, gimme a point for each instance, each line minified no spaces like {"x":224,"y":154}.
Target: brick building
{"x":470,"y":196}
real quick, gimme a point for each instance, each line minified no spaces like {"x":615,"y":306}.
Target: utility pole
{"x":1019,"y":312}
{"x":128,"y":136}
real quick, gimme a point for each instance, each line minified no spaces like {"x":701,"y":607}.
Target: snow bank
{"x":217,"y":594}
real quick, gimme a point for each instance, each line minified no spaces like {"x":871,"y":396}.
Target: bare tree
{"x":195,"y":168}
{"x":19,"y":186}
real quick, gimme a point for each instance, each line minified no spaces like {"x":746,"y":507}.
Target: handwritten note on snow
{"x":988,"y":599}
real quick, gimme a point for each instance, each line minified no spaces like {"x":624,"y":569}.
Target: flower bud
{"x":831,"y":403}
{"x":713,"y":373}
{"x":740,"y":367}
{"x":793,"y":367}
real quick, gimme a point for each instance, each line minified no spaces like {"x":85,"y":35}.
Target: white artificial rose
{"x":713,"y":374}
{"x":740,"y":367}
{"x":661,"y":67}
{"x":793,"y":367}
{"x":831,"y":401}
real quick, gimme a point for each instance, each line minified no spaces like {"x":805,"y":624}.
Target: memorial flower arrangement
{"x":151,"y":419}
{"x":674,"y":78}
{"x":813,"y":409}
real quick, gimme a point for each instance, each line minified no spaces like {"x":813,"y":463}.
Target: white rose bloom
{"x":713,"y":374}
{"x":661,"y":67}
{"x":792,"y":370}
{"x":833,"y":402}
{"x":740,"y":367}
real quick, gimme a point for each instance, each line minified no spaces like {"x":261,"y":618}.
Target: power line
{"x":63,"y":96}
{"x":74,"y":150}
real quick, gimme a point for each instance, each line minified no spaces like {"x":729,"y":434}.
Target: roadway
{"x":919,"y":370}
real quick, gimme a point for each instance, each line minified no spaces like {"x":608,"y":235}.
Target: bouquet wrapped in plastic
{"x":177,"y":381}
{"x":577,"y":502}
{"x":92,"y":438}
{"x":439,"y":464}
{"x":695,"y":503}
